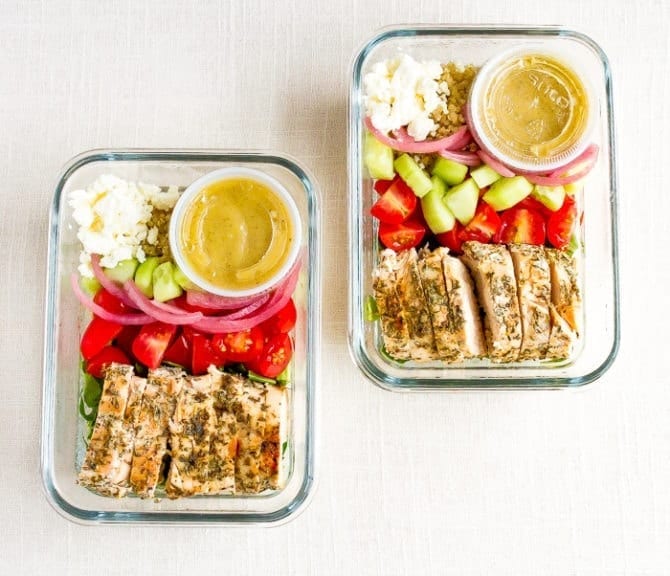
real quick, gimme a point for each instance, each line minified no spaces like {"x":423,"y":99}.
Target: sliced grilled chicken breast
{"x":415,"y":309}
{"x":534,"y":292}
{"x":106,"y":466}
{"x":562,"y":339}
{"x":275,"y":435}
{"x":191,"y":431}
{"x":152,"y":429}
{"x":565,"y":292}
{"x":393,"y":326}
{"x":447,"y":341}
{"x":493,"y":271}
{"x":466,"y":324}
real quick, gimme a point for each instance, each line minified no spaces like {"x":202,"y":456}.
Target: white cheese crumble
{"x":403,"y":92}
{"x":112,"y":215}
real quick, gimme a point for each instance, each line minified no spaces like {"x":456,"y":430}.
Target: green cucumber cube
{"x":165,"y":286}
{"x":378,"y":158}
{"x":551,"y":196}
{"x":462,"y":200}
{"x":507,"y":192}
{"x":436,"y":213}
{"x":124,"y":270}
{"x":413,"y":175}
{"x":90,"y":285}
{"x":450,"y":171}
{"x":181,"y":279}
{"x":144,"y":276}
{"x":484,"y":175}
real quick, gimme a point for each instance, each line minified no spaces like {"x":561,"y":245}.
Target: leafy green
{"x":91,"y":391}
{"x":285,"y":376}
{"x":370,"y":310}
{"x":258,"y":378}
{"x":284,"y":446}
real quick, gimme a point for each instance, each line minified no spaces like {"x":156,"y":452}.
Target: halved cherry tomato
{"x":274,"y":358}
{"x":451,"y":239}
{"x":396,"y":204}
{"x":97,"y":335}
{"x":109,"y":302}
{"x":483,"y":226}
{"x":533,"y":204}
{"x":382,"y":186}
{"x":561,"y":223}
{"x":96,"y":365}
{"x":521,"y":226}
{"x":179,"y":352}
{"x":203,"y":354}
{"x":151,"y":342}
{"x":239,"y":346}
{"x":401,"y":236}
{"x":282,"y":322}
{"x":124,"y":339}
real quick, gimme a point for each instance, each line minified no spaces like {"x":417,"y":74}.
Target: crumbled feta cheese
{"x":112,"y":215}
{"x":161,"y":199}
{"x":403,"y":92}
{"x":152,"y":235}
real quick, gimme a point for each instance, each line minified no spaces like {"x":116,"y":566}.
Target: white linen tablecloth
{"x":488,"y":483}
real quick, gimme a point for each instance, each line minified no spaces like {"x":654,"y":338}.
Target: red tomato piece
{"x":561,"y":223}
{"x":401,"y":236}
{"x":97,"y":335}
{"x":521,"y":226}
{"x":533,"y":204}
{"x":179,"y":352}
{"x":396,"y":204}
{"x":451,"y":239}
{"x":282,"y":322}
{"x":203,"y":354}
{"x":109,"y":302}
{"x":151,"y":342}
{"x":109,"y":354}
{"x":382,"y":186}
{"x":182,"y":303}
{"x":274,"y":358}
{"x":483,"y":226}
{"x":124,"y":339}
{"x":239,"y":346}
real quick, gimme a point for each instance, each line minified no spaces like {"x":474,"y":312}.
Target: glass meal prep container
{"x":598,"y":343}
{"x":63,"y":429}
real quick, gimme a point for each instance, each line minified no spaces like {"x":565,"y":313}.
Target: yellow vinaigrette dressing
{"x":534,"y":110}
{"x":236,"y":234}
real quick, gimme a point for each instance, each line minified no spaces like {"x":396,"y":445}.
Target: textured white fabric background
{"x":522,"y":484}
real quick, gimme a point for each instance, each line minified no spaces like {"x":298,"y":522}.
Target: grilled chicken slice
{"x":106,"y":466}
{"x":191,"y":431}
{"x":274,"y":437}
{"x":393,"y":325}
{"x":493,"y":271}
{"x":534,"y":292}
{"x":415,"y":308}
{"x":466,"y":324}
{"x":562,"y":339}
{"x":565,"y":292}
{"x":151,"y":432}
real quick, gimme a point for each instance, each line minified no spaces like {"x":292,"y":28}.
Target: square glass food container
{"x":600,"y":340}
{"x":63,"y":428}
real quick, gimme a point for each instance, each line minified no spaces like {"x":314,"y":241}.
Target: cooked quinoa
{"x":157,"y":242}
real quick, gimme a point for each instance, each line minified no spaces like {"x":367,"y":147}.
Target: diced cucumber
{"x":413,"y":175}
{"x":165,"y":286}
{"x":181,"y":279}
{"x":378,"y":158}
{"x":436,"y":213}
{"x":507,"y":192}
{"x":450,"y":171}
{"x":90,"y":285}
{"x":124,"y":270}
{"x":484,"y":175}
{"x":551,"y":196}
{"x":462,"y":200}
{"x":574,"y":187}
{"x":144,"y":276}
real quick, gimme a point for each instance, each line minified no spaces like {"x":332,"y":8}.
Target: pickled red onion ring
{"x":467,"y":158}
{"x":215,"y":302}
{"x":108,"y":284}
{"x":496,"y":165}
{"x":405,"y":144}
{"x":247,"y":310}
{"x":161,"y":312}
{"x":588,"y":158}
{"x":279,"y":299}
{"x":100,"y":312}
